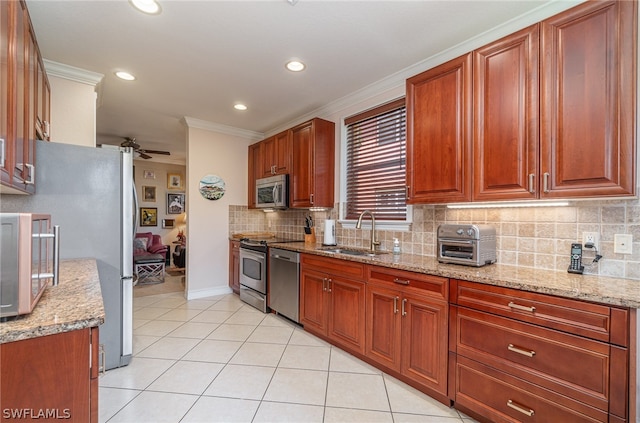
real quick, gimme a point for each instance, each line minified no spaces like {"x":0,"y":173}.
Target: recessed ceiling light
{"x":295,"y":65}
{"x":152,"y":7}
{"x":240,"y":106}
{"x":125,"y":75}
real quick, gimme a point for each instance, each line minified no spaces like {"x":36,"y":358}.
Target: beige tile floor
{"x":219,"y":360}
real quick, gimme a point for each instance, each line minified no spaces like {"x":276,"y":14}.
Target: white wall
{"x":73,"y":103}
{"x":73,"y":112}
{"x":222,"y":152}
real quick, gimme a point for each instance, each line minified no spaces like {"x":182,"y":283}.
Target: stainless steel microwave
{"x":272,"y":192}
{"x":29,"y":261}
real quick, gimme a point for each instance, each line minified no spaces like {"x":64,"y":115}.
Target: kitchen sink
{"x":352,"y":252}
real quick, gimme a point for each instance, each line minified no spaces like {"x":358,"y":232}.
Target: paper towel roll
{"x":329,"y":232}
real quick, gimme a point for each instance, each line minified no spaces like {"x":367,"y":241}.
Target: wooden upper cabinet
{"x":588,"y":110}
{"x":24,"y":97}
{"x":254,"y":170}
{"x":505,"y":142}
{"x":5,"y":110}
{"x":439,"y":133}
{"x":276,"y":154}
{"x":312,"y":175}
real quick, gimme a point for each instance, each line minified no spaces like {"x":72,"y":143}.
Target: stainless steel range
{"x":254,"y":264}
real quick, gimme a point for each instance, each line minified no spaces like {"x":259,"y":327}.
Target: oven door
{"x":253,"y":270}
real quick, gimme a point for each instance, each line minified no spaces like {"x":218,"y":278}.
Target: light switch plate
{"x":623,"y":244}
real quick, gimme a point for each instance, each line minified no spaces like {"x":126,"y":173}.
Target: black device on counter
{"x":576,"y":259}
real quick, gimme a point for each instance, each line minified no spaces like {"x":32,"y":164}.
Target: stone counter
{"x":611,"y":291}
{"x":76,"y":303}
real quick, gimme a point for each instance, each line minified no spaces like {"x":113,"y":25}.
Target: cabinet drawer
{"x":567,"y":364}
{"x":433,"y":286}
{"x":345,"y":268}
{"x":503,"y":398}
{"x":573,"y":316}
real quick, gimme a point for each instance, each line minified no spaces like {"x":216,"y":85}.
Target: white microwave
{"x":272,"y":192}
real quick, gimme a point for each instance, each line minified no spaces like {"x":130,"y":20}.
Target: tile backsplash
{"x":537,"y":237}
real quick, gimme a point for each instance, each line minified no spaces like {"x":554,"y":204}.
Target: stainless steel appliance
{"x":253,"y":273}
{"x":272,"y":192}
{"x":471,"y":245}
{"x":89,"y":192}
{"x":29,"y":261}
{"x":284,"y":282}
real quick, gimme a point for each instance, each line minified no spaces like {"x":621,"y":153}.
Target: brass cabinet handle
{"x":395,"y":305}
{"x":324,"y":284}
{"x":515,"y":349}
{"x":545,"y":184}
{"x":407,"y":192}
{"x":401,"y":281}
{"x":532,"y":188}
{"x":311,"y":198}
{"x":520,"y":408}
{"x":521,"y":307}
{"x":329,"y":284}
{"x":404,"y":311}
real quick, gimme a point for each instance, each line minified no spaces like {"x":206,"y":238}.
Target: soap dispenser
{"x":396,"y":246}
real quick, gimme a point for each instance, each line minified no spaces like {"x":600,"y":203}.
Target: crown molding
{"x":72,"y":73}
{"x":190,"y":122}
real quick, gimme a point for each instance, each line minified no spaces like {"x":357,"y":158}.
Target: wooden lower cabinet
{"x":50,"y":377}
{"x":522,"y":356}
{"x":331,"y":305}
{"x":406,"y":324}
{"x":234,"y":266}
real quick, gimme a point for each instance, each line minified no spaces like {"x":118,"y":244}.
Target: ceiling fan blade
{"x":144,"y":156}
{"x":166,"y":153}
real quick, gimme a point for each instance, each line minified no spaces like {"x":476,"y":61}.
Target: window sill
{"x":387,"y":225}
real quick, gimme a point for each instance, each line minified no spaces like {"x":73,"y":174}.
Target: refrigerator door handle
{"x":127,"y":316}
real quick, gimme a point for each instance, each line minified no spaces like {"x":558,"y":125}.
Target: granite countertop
{"x":76,"y":303}
{"x":606,"y":290}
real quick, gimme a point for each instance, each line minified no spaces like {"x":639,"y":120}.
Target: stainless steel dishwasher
{"x":284,"y":282}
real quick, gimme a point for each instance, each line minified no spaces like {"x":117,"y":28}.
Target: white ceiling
{"x":198,"y":58}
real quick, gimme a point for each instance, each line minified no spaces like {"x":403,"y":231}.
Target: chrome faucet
{"x":373,"y":228}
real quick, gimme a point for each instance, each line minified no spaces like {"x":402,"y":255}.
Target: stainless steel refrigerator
{"x":90,"y":193}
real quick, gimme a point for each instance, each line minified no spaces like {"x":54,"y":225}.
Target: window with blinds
{"x":376,"y":162}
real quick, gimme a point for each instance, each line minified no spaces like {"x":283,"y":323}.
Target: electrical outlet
{"x":623,"y":244}
{"x":592,"y":237}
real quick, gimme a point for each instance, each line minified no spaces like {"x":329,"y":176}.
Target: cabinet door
{"x":439,"y":133}
{"x":424,"y":341}
{"x":48,"y":373}
{"x":234,"y":266}
{"x":254,"y":171}
{"x":588,"y":100}
{"x":383,"y":341}
{"x":276,"y":155}
{"x":346,"y":313}
{"x":20,"y":97}
{"x":505,"y":142}
{"x":313,"y":304}
{"x":302,"y":183}
{"x":6,"y":112}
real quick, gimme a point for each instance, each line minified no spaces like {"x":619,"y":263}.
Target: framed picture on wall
{"x":148,"y":216}
{"x":174,"y":181}
{"x":149,"y":174}
{"x":168,"y":223}
{"x":148,"y":193}
{"x":175,"y":203}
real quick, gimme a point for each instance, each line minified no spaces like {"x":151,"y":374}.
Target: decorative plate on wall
{"x":212,"y":187}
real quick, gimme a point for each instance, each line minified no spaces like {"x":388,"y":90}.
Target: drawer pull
{"x":515,"y":349}
{"x":521,"y":307}
{"x":401,"y":281}
{"x":520,"y":408}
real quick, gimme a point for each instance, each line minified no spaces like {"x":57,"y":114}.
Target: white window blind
{"x":376,"y":162}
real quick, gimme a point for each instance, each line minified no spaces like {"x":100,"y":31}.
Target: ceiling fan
{"x":131,"y":142}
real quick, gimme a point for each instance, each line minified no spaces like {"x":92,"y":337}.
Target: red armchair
{"x":147,"y":243}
